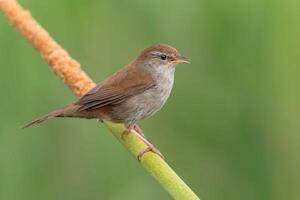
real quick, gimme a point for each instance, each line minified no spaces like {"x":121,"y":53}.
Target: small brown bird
{"x":133,"y":93}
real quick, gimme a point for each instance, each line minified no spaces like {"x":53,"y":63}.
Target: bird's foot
{"x":139,"y":133}
{"x":151,"y":148}
{"x":128,"y":129}
{"x":125,"y":133}
{"x":138,"y":130}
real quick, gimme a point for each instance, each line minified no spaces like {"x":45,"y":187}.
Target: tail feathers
{"x":57,"y":113}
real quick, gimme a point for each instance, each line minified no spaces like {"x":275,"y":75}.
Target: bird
{"x":135,"y":92}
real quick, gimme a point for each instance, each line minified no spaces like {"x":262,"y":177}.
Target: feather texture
{"x":116,"y":89}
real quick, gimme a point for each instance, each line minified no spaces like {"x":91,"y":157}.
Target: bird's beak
{"x":181,"y":59}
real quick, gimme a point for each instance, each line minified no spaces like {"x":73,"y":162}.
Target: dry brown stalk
{"x":60,"y":61}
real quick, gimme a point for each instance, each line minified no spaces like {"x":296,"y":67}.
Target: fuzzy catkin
{"x":59,"y":60}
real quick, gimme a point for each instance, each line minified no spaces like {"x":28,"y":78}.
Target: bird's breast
{"x":146,"y":103}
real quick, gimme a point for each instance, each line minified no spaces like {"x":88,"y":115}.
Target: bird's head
{"x":160,"y":57}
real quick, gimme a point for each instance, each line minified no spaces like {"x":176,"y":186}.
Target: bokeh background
{"x":230,"y":129}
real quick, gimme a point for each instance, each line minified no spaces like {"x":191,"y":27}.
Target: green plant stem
{"x":154,"y":164}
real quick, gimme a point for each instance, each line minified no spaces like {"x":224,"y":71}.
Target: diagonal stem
{"x":70,"y":72}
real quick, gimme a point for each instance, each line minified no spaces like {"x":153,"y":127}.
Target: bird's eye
{"x":163,"y":57}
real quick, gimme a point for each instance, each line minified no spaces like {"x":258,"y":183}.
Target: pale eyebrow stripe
{"x":157,"y":53}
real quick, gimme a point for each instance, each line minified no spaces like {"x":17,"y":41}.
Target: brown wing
{"x":116,"y":89}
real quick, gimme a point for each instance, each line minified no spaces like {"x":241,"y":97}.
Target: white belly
{"x":145,"y":104}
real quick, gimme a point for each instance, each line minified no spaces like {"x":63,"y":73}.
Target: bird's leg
{"x":150,"y":147}
{"x":134,"y":127}
{"x":139,"y":133}
{"x":138,"y":130}
{"x":126,"y":131}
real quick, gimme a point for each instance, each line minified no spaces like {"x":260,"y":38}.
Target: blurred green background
{"x":230,"y":128}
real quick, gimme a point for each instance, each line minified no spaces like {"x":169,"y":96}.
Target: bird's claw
{"x":148,"y":149}
{"x":125,"y":133}
{"x":134,"y":127}
{"x":139,"y":133}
